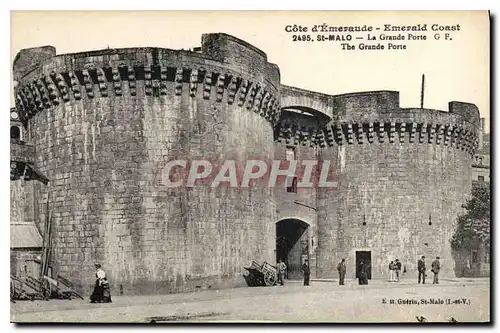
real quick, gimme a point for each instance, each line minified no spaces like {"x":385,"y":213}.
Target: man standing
{"x":391,"y":271}
{"x":421,"y":270}
{"x":435,"y":269}
{"x":281,"y":268}
{"x":397,"y":265}
{"x":342,"y":269}
{"x":306,"y":271}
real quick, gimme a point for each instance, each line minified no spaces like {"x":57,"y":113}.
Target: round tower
{"x":403,"y":176}
{"x":105,"y":123}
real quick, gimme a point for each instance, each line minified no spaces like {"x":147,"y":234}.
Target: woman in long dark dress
{"x":101,"y":293}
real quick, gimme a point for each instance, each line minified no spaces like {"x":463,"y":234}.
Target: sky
{"x":455,"y":70}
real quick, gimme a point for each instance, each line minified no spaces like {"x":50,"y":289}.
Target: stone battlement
{"x":227,"y":71}
{"x":370,"y":117}
{"x":58,"y":88}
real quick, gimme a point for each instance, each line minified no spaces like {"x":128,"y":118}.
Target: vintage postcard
{"x":251,"y":166}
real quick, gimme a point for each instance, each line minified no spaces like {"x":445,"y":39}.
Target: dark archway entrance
{"x":292,"y":245}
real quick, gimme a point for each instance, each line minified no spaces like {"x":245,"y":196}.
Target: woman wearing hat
{"x":101,"y":293}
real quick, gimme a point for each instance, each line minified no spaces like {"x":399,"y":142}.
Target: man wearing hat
{"x":435,"y":269}
{"x":306,"y":271}
{"x":342,"y":269}
{"x":421,"y":270}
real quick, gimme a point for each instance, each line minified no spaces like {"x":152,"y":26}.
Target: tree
{"x":473,"y":227}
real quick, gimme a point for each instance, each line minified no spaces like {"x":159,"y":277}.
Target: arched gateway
{"x":292,"y":245}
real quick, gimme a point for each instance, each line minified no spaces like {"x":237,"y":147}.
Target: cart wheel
{"x":270,"y":279}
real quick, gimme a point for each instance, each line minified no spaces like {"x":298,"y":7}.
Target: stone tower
{"x":403,"y":175}
{"x":104,"y":125}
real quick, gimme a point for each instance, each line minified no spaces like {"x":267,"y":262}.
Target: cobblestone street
{"x":323,"y":301}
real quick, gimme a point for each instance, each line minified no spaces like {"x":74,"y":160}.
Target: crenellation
{"x":207,"y":85}
{"x":148,"y":84}
{"x":370,"y":132}
{"x":339,"y":136}
{"x":37,"y":96}
{"x":251,"y":96}
{"x":258,"y":100}
{"x":131,"y":80}
{"x":62,"y":86}
{"x":402,"y":131}
{"x":360,"y":133}
{"x":265,"y":104}
{"x":349,"y":133}
{"x":75,"y":85}
{"x":413,"y":131}
{"x":439,"y":133}
{"x":381,"y":132}
{"x":243,"y":92}
{"x":102,"y":83}
{"x":432,"y":132}
{"x":233,"y":88}
{"x":423,"y":133}
{"x":117,"y":82}
{"x":163,"y":81}
{"x":219,"y":93}
{"x":330,"y":138}
{"x":392,"y":131}
{"x":193,"y":82}
{"x":447,"y":134}
{"x":87,"y":81}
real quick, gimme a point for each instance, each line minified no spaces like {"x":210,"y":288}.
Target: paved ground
{"x":466,"y":300}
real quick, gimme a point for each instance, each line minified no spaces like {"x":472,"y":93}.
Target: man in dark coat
{"x":362,"y":273}
{"x":307,"y":272}
{"x":397,"y":266}
{"x":341,"y":269}
{"x":421,"y":270}
{"x":435,"y":267}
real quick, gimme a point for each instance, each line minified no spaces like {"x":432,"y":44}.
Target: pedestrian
{"x":421,"y":270}
{"x":306,"y":271}
{"x":435,"y":267}
{"x":341,"y":269}
{"x":101,"y":293}
{"x":391,"y":271}
{"x":362,"y":273}
{"x":281,"y":267}
{"x":397,"y":265}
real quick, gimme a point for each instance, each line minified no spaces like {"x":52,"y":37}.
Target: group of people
{"x":395,"y":270}
{"x":281,"y":270}
{"x":435,"y":268}
{"x":395,"y":267}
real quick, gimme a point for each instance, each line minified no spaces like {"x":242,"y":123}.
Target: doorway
{"x":292,"y":245}
{"x":366,"y":256}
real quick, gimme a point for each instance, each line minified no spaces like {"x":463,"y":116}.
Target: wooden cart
{"x":27,"y":288}
{"x":261,"y":275}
